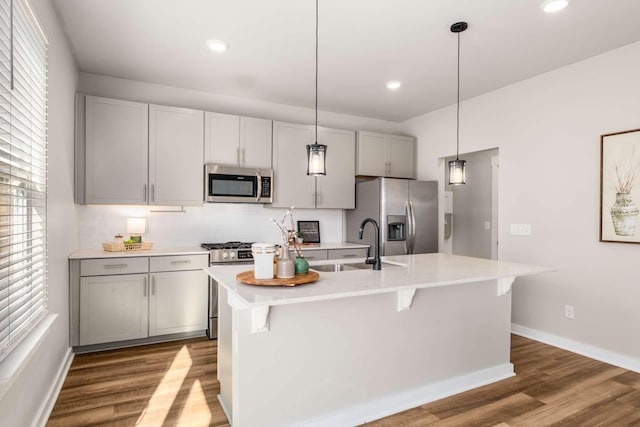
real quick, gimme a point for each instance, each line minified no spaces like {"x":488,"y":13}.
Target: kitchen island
{"x":360,"y":344}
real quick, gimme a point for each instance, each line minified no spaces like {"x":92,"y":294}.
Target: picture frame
{"x":620,"y":187}
{"x":311,"y":230}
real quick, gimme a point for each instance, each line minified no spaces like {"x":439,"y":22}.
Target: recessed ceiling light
{"x":394,"y":84}
{"x":217,"y":45}
{"x":551,"y":6}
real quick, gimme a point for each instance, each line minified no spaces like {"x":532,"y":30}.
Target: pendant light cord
{"x":316,"y":71}
{"x":458,"y":105}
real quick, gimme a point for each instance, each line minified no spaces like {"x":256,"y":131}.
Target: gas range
{"x":229,"y":252}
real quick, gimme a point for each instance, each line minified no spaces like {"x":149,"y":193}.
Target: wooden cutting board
{"x":299,"y":279}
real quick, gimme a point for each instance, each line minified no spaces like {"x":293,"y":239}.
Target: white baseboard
{"x":44,"y":411}
{"x":402,"y":401}
{"x":225,"y":409}
{"x":593,"y":352}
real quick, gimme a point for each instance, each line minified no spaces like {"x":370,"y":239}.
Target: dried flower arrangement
{"x":626,"y":172}
{"x":288,"y":233}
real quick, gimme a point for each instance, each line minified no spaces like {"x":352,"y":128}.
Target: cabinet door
{"x":178,"y":302}
{"x":116,"y":151}
{"x":337,"y":188}
{"x":176,"y":156}
{"x":113,"y":308}
{"x":222,"y":139}
{"x":255,"y":142}
{"x":347,"y":253}
{"x":372,"y":154}
{"x":401,"y":157}
{"x":292,"y":185}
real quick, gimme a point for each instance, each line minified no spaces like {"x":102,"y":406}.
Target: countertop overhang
{"x":417,"y":272}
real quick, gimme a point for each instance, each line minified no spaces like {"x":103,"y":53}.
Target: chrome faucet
{"x":377,"y":264}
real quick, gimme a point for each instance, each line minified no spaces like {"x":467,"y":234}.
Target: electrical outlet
{"x":487,"y":225}
{"x":569,"y":312}
{"x":521,"y":229}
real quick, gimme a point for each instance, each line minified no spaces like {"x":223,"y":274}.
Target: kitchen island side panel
{"x":323,"y":358}
{"x":225,"y":356}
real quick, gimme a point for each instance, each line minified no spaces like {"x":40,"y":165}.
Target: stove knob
{"x":224,"y":255}
{"x":232,"y":255}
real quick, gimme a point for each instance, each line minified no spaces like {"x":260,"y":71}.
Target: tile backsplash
{"x":213,"y":222}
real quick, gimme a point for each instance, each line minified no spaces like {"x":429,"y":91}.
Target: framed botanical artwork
{"x":310,"y":230}
{"x":620,"y":186}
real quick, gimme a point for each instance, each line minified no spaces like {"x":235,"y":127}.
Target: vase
{"x":301,"y":265}
{"x":285,"y":268}
{"x":624,"y":214}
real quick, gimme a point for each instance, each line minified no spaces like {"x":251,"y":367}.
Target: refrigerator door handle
{"x":412,"y":230}
{"x":407,"y":237}
{"x":410,"y":227}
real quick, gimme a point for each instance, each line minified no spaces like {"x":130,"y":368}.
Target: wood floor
{"x":174,"y":384}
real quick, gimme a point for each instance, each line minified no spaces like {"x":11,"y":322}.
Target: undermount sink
{"x":348,"y":266}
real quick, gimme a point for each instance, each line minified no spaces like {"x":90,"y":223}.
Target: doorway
{"x":471,"y":212}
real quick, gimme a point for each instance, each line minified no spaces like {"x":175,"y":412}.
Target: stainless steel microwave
{"x":229,"y":184}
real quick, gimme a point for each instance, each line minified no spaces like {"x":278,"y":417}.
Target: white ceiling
{"x":362,"y":44}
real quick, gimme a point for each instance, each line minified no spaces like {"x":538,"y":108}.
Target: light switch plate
{"x":521,"y":229}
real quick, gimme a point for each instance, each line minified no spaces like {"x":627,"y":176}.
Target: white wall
{"x":548,"y":131}
{"x":23,"y":402}
{"x":213,"y":222}
{"x":472,"y":206}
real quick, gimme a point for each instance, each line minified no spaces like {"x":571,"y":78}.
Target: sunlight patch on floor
{"x":196,"y":410}
{"x":165,"y":394}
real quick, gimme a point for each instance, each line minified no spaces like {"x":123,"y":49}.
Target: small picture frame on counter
{"x":310,"y":230}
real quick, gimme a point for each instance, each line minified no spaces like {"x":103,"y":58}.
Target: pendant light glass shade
{"x":456,"y":172}
{"x":457,"y":166}
{"x":316,"y":152}
{"x":315,"y":159}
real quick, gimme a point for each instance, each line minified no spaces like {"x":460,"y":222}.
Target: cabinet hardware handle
{"x":115,"y":265}
{"x":144,"y":192}
{"x":153,"y":192}
{"x":349,"y":256}
{"x":144,"y":286}
{"x":153,"y":285}
{"x":184,"y":261}
{"x":244,"y":157}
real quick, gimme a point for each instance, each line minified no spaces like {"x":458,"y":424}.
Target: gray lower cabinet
{"x":137,"y":298}
{"x":322,"y":254}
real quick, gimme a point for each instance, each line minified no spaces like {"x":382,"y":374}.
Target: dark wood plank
{"x":174,"y":384}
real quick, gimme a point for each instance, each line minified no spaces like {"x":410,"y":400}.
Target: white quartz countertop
{"x":417,"y":272}
{"x":195,"y":250}
{"x":155,"y":251}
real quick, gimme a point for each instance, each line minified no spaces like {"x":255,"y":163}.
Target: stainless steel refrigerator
{"x":405,"y":210}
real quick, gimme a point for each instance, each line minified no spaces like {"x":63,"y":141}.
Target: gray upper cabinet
{"x":337,"y":188}
{"x":176,"y":156}
{"x":385,"y":155}
{"x":115,"y":148}
{"x":131,"y":153}
{"x":293,"y":187}
{"x":238,"y":141}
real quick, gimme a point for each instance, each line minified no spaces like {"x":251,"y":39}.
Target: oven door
{"x":212,"y":331}
{"x":213,"y":309}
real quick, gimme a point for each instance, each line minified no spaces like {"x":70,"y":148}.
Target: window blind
{"x":23,"y":168}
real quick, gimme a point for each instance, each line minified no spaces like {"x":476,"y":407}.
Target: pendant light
{"x":457,"y":166}
{"x":316,"y":152}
